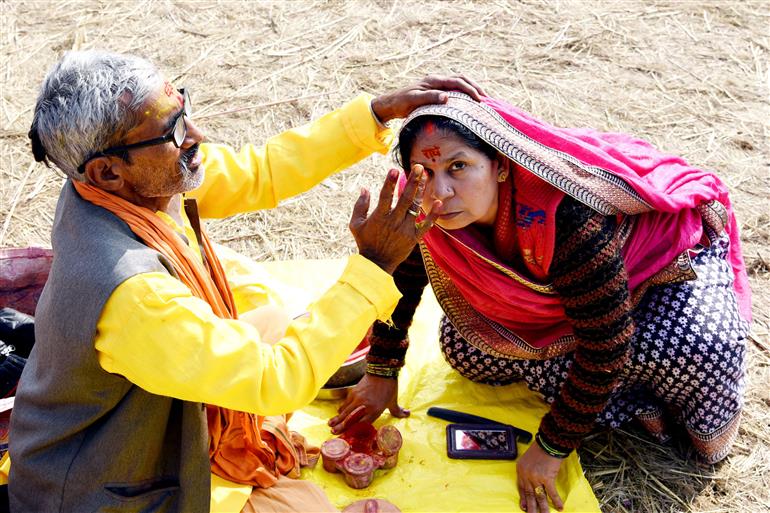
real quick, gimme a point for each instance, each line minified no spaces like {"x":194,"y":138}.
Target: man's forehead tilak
{"x":170,"y":100}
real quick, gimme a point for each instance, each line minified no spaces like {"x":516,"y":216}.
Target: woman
{"x":605,"y":274}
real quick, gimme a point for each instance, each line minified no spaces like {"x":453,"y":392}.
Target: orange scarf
{"x":243,"y":448}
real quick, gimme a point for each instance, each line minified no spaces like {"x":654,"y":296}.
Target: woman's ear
{"x":101,"y":173}
{"x":500,"y":167}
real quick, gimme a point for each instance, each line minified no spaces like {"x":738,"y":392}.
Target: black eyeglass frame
{"x":170,"y":136}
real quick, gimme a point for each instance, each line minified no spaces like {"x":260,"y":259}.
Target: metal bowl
{"x":352,"y":370}
{"x":333,"y":394}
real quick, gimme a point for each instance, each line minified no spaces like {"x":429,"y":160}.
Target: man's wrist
{"x":379,"y":112}
{"x":387,"y":267}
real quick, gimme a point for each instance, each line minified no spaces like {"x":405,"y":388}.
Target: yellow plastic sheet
{"x":425,"y":479}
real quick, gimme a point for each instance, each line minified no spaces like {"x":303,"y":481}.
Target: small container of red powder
{"x":358,"y":469}
{"x":333,"y":452}
{"x":389,"y":443}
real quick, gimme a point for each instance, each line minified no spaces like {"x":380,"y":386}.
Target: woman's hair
{"x":88,"y":101}
{"x":421,"y":124}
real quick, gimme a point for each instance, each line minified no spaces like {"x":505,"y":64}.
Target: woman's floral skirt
{"x":687,"y":362}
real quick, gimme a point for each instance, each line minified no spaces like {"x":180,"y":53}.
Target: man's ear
{"x":103,"y":174}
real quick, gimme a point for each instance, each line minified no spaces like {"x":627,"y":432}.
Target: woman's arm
{"x":390,"y":342}
{"x":589,"y":274}
{"x":378,"y":389}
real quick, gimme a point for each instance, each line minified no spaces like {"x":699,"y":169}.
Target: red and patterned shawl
{"x":662,"y":202}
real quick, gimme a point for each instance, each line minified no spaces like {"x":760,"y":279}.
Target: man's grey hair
{"x":87,"y":103}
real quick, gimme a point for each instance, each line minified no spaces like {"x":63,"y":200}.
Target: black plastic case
{"x":481,"y":442}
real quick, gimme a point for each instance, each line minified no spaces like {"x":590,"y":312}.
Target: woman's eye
{"x":456,"y":166}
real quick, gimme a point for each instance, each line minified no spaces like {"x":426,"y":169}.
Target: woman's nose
{"x":439,"y":189}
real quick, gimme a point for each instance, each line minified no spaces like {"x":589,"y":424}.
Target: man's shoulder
{"x":94,"y":250}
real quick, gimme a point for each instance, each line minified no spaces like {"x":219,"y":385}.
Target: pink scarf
{"x":664,"y":193}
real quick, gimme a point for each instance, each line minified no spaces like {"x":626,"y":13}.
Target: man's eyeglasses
{"x":176,"y":134}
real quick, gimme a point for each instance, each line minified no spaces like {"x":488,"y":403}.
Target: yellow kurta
{"x":159,"y":336}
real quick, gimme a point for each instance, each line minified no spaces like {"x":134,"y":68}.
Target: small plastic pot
{"x":358,"y":469}
{"x":333,"y":451}
{"x":389,"y":443}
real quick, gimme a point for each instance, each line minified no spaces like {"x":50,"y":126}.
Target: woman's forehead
{"x":439,"y":146}
{"x":439,"y":136}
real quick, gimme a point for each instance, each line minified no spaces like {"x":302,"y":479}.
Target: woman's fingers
{"x":353,"y":416}
{"x":550,"y":487}
{"x":542,"y":499}
{"x":397,"y":411}
{"x":529,"y":494}
{"x":534,"y":498}
{"x":522,"y":495}
{"x":347,"y":406}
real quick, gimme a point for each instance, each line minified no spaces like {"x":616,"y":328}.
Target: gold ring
{"x":413,"y":212}
{"x":540,"y":490}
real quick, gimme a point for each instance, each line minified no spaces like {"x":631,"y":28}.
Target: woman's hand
{"x":373,"y":394}
{"x":537,"y":473}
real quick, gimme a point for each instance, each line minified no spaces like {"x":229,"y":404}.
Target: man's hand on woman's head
{"x":431,"y":89}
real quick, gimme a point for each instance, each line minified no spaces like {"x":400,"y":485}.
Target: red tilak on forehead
{"x":171,"y":92}
{"x":431,"y":152}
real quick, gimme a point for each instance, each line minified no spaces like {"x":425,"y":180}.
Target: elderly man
{"x":137,"y":326}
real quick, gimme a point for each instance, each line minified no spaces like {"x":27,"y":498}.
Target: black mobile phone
{"x":481,"y":442}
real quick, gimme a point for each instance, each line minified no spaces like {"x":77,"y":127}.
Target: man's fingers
{"x":386,"y":193}
{"x":360,"y":209}
{"x":408,"y":197}
{"x":542,"y":500}
{"x":429,"y":220}
{"x":456,"y":83}
{"x":475,"y":85}
{"x":428,"y":96}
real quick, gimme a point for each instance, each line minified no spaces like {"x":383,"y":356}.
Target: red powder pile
{"x":362,"y":437}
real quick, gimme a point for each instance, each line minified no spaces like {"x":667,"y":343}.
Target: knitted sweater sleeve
{"x":390,"y":342}
{"x":589,"y":274}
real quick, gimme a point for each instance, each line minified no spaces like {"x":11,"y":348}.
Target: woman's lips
{"x":449,"y":215}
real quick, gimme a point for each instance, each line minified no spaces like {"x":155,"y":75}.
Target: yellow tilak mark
{"x":163,"y":106}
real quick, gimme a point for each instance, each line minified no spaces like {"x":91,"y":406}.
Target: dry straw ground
{"x":692,"y":77}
